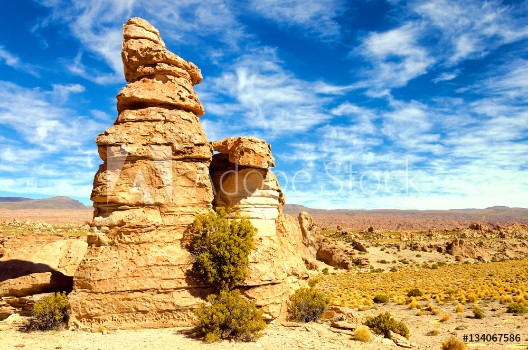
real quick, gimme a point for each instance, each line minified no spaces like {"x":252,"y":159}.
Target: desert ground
{"x":488,"y":270}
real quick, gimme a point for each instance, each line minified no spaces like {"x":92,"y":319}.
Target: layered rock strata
{"x":155,"y":178}
{"x":153,"y":181}
{"x":242,"y":180}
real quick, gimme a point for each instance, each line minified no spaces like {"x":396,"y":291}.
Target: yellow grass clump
{"x":363,"y":334}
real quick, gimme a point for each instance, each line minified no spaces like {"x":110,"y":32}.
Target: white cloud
{"x":472,"y":28}
{"x":315,"y":16}
{"x":98,"y":25}
{"x":258,"y":96}
{"x":61,"y":93}
{"x":447,"y":76}
{"x":47,"y":145}
{"x":8,"y":58}
{"x":396,"y":56}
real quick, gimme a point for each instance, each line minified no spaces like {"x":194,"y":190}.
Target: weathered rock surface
{"x":60,"y":255}
{"x":242,"y":181}
{"x":153,"y":181}
{"x":246,"y":151}
{"x":35,"y":264}
{"x":465,"y":249}
{"x":157,"y":174}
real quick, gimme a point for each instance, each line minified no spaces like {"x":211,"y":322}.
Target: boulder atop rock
{"x":144,"y":54}
{"x":246,"y":151}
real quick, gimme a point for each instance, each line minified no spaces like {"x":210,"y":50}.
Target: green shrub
{"x":380,"y":299}
{"x":415,"y":293}
{"x":228,"y":316}
{"x":306,"y":305}
{"x":221,"y":247}
{"x":49,"y":313}
{"x":453,"y":344}
{"x":517,"y":309}
{"x":478,"y":313}
{"x":383,"y":323}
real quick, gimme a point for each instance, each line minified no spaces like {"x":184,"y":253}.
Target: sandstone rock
{"x":336,"y":313}
{"x":36,"y":283}
{"x":153,"y":181}
{"x":466,"y":249}
{"x":156,"y":176}
{"x":400,"y":340}
{"x":343,"y":325}
{"x":246,"y":151}
{"x":160,"y":90}
{"x":62,"y":256}
{"x":12,"y":322}
{"x":310,"y":233}
{"x":359,"y":246}
{"x":335,"y":254}
{"x":145,"y":52}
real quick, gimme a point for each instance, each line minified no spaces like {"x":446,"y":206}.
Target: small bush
{"x":517,"y":309}
{"x":415,"y":293}
{"x":453,"y":344}
{"x":445,"y":318}
{"x":414,"y":304}
{"x":383,"y":323}
{"x":434,"y":333}
{"x":363,"y":334}
{"x":49,"y":313}
{"x":221,"y":247}
{"x":306,"y":305}
{"x":380,"y":299}
{"x":478,"y":313}
{"x":325,"y":271}
{"x":459,"y":309}
{"x":228,"y":316}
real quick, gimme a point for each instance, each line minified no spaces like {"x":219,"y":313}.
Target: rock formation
{"x":155,"y":178}
{"x":243,"y":181}
{"x":34,"y":264}
{"x":153,"y":182}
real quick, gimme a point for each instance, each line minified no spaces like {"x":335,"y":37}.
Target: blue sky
{"x":367,"y":103}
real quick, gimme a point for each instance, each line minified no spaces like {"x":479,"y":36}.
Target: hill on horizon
{"x":411,"y":219}
{"x":60,"y":202}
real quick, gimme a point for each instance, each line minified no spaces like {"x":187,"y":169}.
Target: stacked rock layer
{"x":154,"y":180}
{"x":158,"y":173}
{"x":242,"y":180}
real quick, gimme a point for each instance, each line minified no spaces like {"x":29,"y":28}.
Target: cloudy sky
{"x":366,"y":103}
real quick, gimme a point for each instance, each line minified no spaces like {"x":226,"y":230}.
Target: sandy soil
{"x":310,"y":336}
{"x":50,"y":216}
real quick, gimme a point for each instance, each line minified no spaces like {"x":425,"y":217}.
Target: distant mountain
{"x":13,"y":199}
{"x":45,"y":203}
{"x":491,"y":214}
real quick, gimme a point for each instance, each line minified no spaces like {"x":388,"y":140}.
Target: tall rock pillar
{"x":153,"y":181}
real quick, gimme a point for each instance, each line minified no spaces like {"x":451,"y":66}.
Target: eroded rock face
{"x":153,"y":181}
{"x":34,"y":264}
{"x":246,"y":151}
{"x":157,"y":175}
{"x":243,"y":181}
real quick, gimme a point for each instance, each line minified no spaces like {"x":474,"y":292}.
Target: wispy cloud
{"x":447,"y":76}
{"x":8,"y":58}
{"x":257,"y":95}
{"x":472,"y":28}
{"x":311,"y":16}
{"x":42,"y":132}
{"x":15,"y":62}
{"x":396,"y":55}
